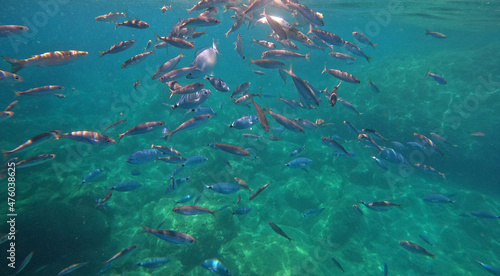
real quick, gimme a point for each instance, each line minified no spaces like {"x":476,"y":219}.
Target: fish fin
{"x":310,"y":29}
{"x":307,"y":56}
{"x":5,"y":154}
{"x":116,"y":25}
{"x":368,"y":58}
{"x":428,"y":72}
{"x":373,"y":45}
{"x":125,"y":13}
{"x":324,"y":70}
{"x":16,"y":64}
{"x":427,"y":32}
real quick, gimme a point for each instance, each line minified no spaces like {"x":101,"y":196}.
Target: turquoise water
{"x":59,"y":222}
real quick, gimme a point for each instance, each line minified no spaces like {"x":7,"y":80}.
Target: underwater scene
{"x":264,"y":137}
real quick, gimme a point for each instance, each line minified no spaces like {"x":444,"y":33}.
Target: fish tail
{"x":116,"y":25}
{"x":373,"y":45}
{"x":6,"y":154}
{"x":324,"y":69}
{"x":16,"y":64}
{"x":428,"y":72}
{"x":307,"y":56}
{"x":18,"y":93}
{"x":310,"y":29}
{"x":427,"y":32}
{"x":368,"y":58}
{"x":125,"y":13}
{"x":251,"y":60}
{"x":101,"y":54}
{"x":145,"y":229}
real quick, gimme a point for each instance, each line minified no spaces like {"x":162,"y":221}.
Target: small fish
{"x":300,"y":163}
{"x":265,"y":43}
{"x":430,"y":170}
{"x":436,"y":77}
{"x":199,"y":21}
{"x":380,"y":163}
{"x":380,"y":205}
{"x":167,"y":66}
{"x":242,"y":211}
{"x":337,"y":263}
{"x":136,"y":24}
{"x":239,"y":47}
{"x":415,"y":248}
{"x":33,"y":142}
{"x":335,"y":145}
{"x":136,"y":59}
{"x":189,"y":124}
{"x":261,"y":116}
{"x":386,"y":269}
{"x":341,"y":75}
{"x":194,"y":160}
{"x":353,"y":48}
{"x":142,"y":128}
{"x":166,"y":150}
{"x":341,"y":56}
{"x":112,"y":16}
{"x":477,"y":134}
{"x":214,"y":265}
{"x":185,"y":199}
{"x":176,"y":42}
{"x":171,"y":236}
{"x":35,"y":160}
{"x":119,"y":47}
{"x":144,"y":156}
{"x":24,"y":263}
{"x":485,"y":214}
{"x":286,"y":122}
{"x":327,"y":36}
{"x":44,"y":90}
{"x":71,"y":268}
{"x":267,"y":63}
{"x":137,"y":83}
{"x":191,"y":210}
{"x":426,"y":239}
{"x":363,"y":39}
{"x":224,"y":188}
{"x":277,"y":28}
{"x":106,"y":198}
{"x":491,"y":269}
{"x":298,"y":151}
{"x":437,"y":198}
{"x":244,"y":122}
{"x":166,"y":8}
{"x":187,"y":89}
{"x":313,"y":212}
{"x":154,"y":262}
{"x":126,"y":186}
{"x":60,"y":95}
{"x":45,"y":59}
{"x":259,"y":72}
{"x":91,"y":176}
{"x":218,"y":84}
{"x":9,"y":30}
{"x":435,"y":34}
{"x":442,"y":139}
{"x":11,"y":106}
{"x":6,"y":76}
{"x":115,"y":123}
{"x":147,"y":45}
{"x":374,"y":87}
{"x":242,"y":183}
{"x":279,"y":231}
{"x":374,"y":132}
{"x":122,"y":253}
{"x":357,"y":209}
{"x":258,"y":191}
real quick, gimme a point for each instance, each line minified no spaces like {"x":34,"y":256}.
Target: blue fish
{"x":144,"y":156}
{"x":194,"y":160}
{"x":380,"y":163}
{"x":218,"y":84}
{"x":224,"y":188}
{"x":299,"y":163}
{"x":190,"y":101}
{"x":436,"y":77}
{"x":216,"y":266}
{"x":154,"y":262}
{"x":127,"y":186}
{"x":313,"y":212}
{"x":185,"y":199}
{"x":298,"y":151}
{"x":242,"y":211}
{"x":491,"y":269}
{"x":201,"y":110}
{"x":244,"y":122}
{"x":438,"y":198}
{"x":91,"y":176}
{"x":485,"y":214}
{"x":426,"y":239}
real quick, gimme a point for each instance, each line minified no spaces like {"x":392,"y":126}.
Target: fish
{"x":119,"y":47}
{"x":283,"y":54}
{"x":32,"y":143}
{"x":426,"y":239}
{"x":10,"y":30}
{"x":187,"y":89}
{"x":44,"y":90}
{"x":477,"y":134}
{"x":341,"y":56}
{"x":177,"y":73}
{"x":136,"y":24}
{"x":106,"y":198}
{"x":264,"y":43}
{"x":380,"y":205}
{"x":333,"y":95}
{"x":279,"y":231}
{"x":127,"y":186}
{"x":374,"y":87}
{"x":299,"y":163}
{"x":236,"y":25}
{"x":261,"y":116}
{"x":239,"y":47}
{"x":357,"y":209}
{"x":350,"y":106}
{"x":230,"y":148}
{"x":241,"y":89}
{"x":267,"y":63}
{"x":214,"y":265}
{"x":11,"y":106}
{"x":191,"y":210}
{"x":313,"y":212}
{"x":144,"y":156}
{"x":306,"y":94}
{"x":341,"y":75}
{"x":171,"y":236}
{"x":244,"y":122}
{"x":136,"y":59}
{"x":426,"y":142}
{"x":353,"y":48}
{"x":277,"y":28}
{"x":259,"y":72}
{"x":166,"y":150}
{"x":218,"y":84}
{"x":286,"y":122}
{"x":437,"y":136}
{"x":298,"y":151}
{"x":204,"y":61}
{"x":203,"y":4}
{"x":8,"y":76}
{"x":176,"y":42}
{"x":313,"y":17}
{"x":24,"y":263}
{"x":435,"y":34}
{"x":415,"y":248}
{"x":154,"y":262}
{"x":337,"y":264}
{"x":351,"y":127}
{"x":335,"y":145}
{"x":90,"y":137}
{"x":185,"y":199}
{"x":485,"y":214}
{"x":363,"y":39}
{"x":327,"y":37}
{"x":257,"y":4}
{"x":195,"y":35}
{"x":142,"y":128}
{"x":122,"y":253}
{"x":242,"y":183}
{"x":491,"y":269}
{"x":374,"y":132}
{"x":115,"y":124}
{"x":71,"y":268}
{"x":194,"y":160}
{"x":437,"y":198}
{"x":46,"y":59}
{"x":224,"y":188}
{"x":189,"y":124}
{"x":380,"y":163}
{"x":91,"y":176}
{"x":35,"y":160}
{"x":242,"y":210}
{"x":112,"y":16}
{"x":199,"y":21}
{"x":258,"y":191}
{"x":440,"y":79}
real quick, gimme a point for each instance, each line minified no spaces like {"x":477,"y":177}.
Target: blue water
{"x":60,"y":223}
